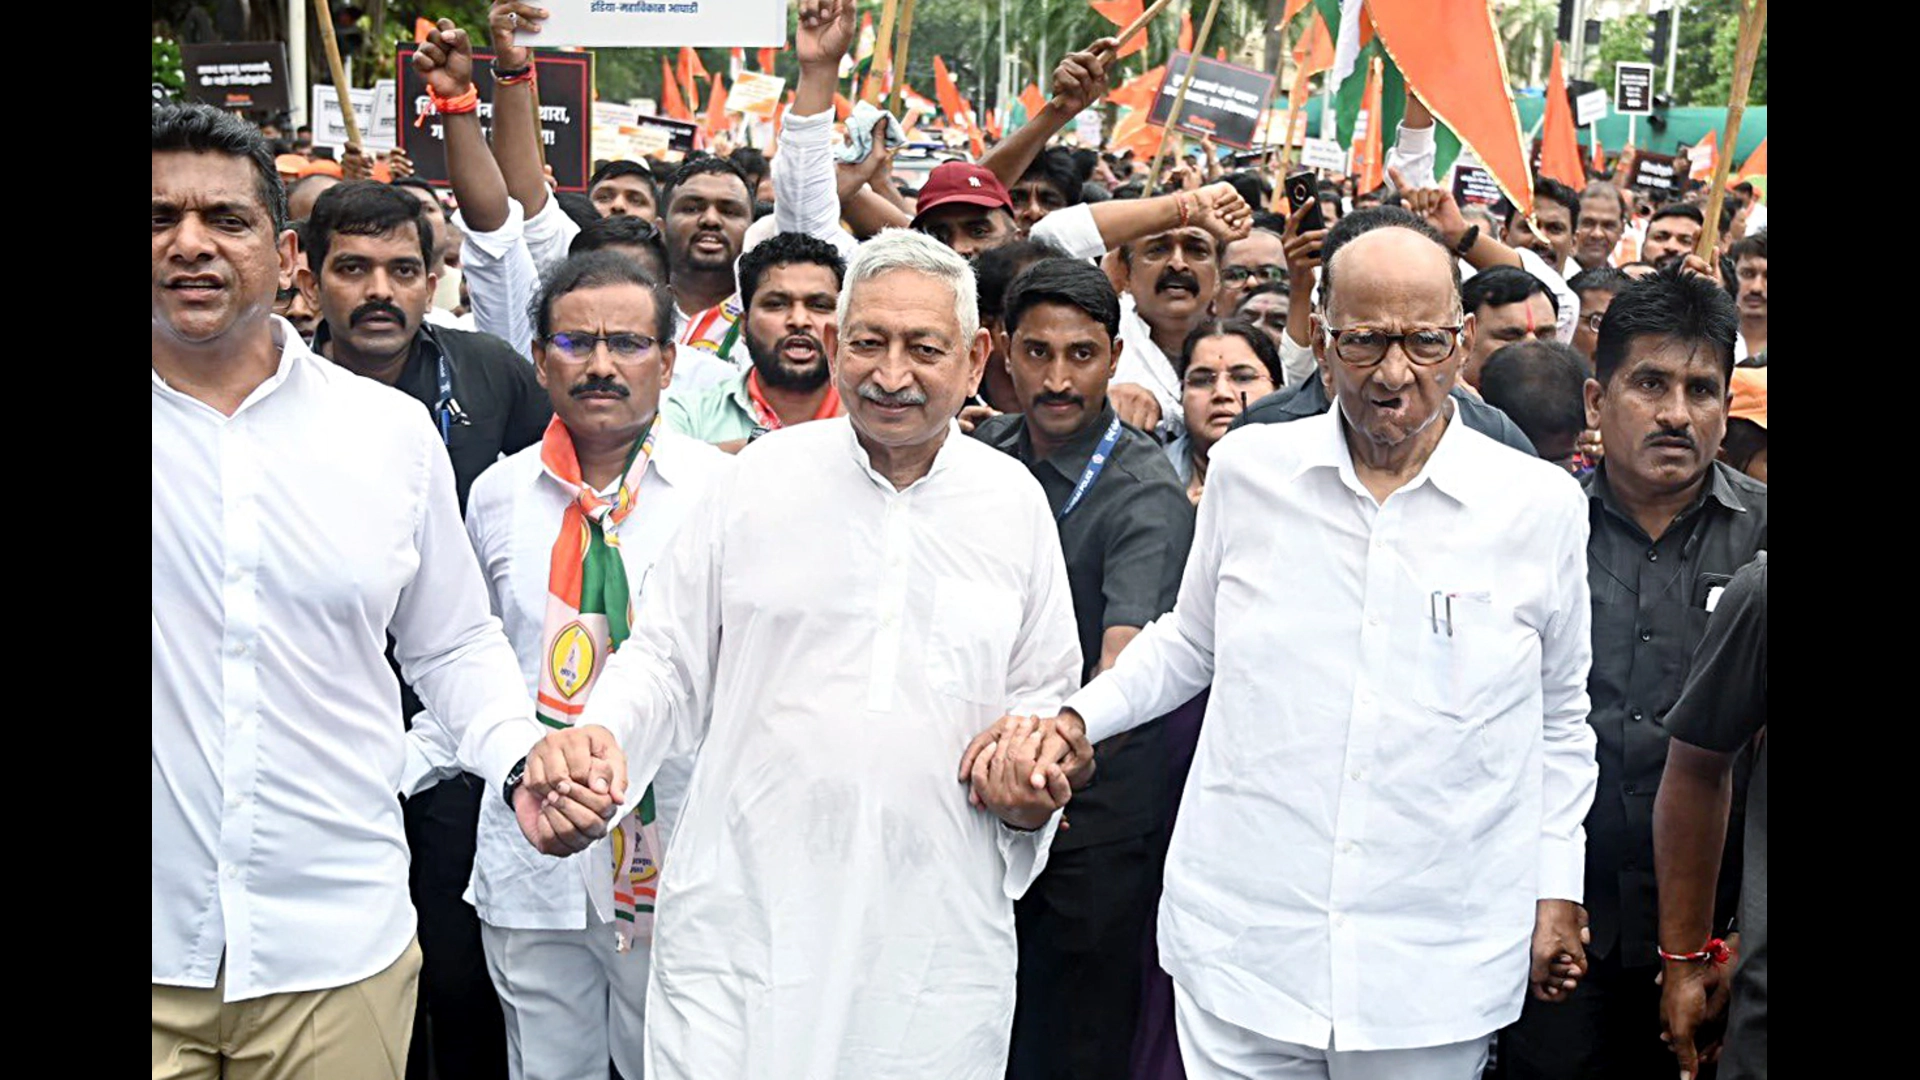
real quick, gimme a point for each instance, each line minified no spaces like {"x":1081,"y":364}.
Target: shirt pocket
{"x":1459,"y":659}
{"x":970,"y":640}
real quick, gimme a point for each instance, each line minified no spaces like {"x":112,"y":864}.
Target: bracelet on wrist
{"x":1180,"y":200}
{"x":513,"y":76}
{"x":1714,"y":952}
{"x":1467,"y":240}
{"x":466,"y":101}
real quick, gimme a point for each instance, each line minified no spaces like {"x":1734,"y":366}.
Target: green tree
{"x":1526,"y":32}
{"x":1621,"y":39}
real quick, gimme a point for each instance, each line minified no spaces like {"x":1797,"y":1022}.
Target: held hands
{"x":505,"y":22}
{"x":825,"y":31}
{"x":1560,"y":937}
{"x":1023,"y":768}
{"x":575,"y":783}
{"x":445,"y":60}
{"x":1693,"y":1001}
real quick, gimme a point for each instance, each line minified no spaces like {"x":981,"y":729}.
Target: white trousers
{"x":570,"y":1001}
{"x":1214,"y":1049}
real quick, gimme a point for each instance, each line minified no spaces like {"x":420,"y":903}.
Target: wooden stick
{"x":882,"y":48}
{"x":1753,"y":23}
{"x":339,"y":71}
{"x":1139,"y":24}
{"x":1180,"y":99}
{"x":900,"y":51}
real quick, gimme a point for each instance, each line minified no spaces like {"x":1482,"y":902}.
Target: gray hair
{"x":908,"y":249}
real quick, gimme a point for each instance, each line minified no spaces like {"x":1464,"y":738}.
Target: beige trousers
{"x":355,"y":1032}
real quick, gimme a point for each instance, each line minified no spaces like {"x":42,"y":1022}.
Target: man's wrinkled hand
{"x":1560,"y":937}
{"x":1003,"y":773}
{"x":1080,"y":80}
{"x":562,"y":825}
{"x":577,"y":757}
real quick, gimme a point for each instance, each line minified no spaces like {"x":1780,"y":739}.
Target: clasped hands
{"x":1024,"y":768}
{"x":576,"y":781}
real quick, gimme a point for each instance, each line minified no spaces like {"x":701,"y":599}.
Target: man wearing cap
{"x":1669,"y":526}
{"x":967,"y":208}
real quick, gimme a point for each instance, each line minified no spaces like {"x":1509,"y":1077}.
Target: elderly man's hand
{"x":1003,"y":774}
{"x":563,"y":824}
{"x":1063,"y":751}
{"x":1560,"y":937}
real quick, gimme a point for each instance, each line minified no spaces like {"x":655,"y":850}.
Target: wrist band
{"x":1467,"y":240}
{"x":1180,"y":200}
{"x":513,"y":77}
{"x":1715,"y":952}
{"x":464,"y":102}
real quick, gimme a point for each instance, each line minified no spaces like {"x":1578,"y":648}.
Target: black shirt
{"x":1724,"y":704}
{"x":1310,"y":399}
{"x":1125,"y":546}
{"x":1649,"y":613}
{"x":494,"y":389}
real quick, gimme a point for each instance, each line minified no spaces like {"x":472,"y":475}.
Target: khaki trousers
{"x":355,"y":1032}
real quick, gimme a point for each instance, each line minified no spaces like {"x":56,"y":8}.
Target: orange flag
{"x":717,"y":109}
{"x":1559,"y":145}
{"x":1294,"y":7}
{"x":993,"y":122}
{"x":1599,"y":154}
{"x":421,"y":28}
{"x":1754,"y":166}
{"x":1312,"y":54}
{"x":1451,"y":55}
{"x":690,"y":69}
{"x":948,"y":94}
{"x":1137,"y":92}
{"x":842,"y":108}
{"x":1121,"y":14}
{"x":670,"y":100}
{"x":766,"y":61}
{"x":1030,"y":97}
{"x":1368,"y":159}
{"x":1701,"y":159}
{"x":1186,"y":31}
{"x":1134,"y":133}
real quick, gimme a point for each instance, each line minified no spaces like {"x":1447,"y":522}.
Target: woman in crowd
{"x":1225,"y":364}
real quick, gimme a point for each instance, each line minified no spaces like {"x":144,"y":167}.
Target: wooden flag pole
{"x":1753,"y":23}
{"x":900,"y":52}
{"x":1180,"y":99}
{"x":339,"y":71}
{"x":882,"y":49}
{"x":1139,"y":24}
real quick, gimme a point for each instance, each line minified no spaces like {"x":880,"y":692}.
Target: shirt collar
{"x":425,"y":346}
{"x":1072,"y":456}
{"x":665,"y":462}
{"x":292,"y":350}
{"x":1450,"y":467}
{"x":1719,"y":487}
{"x":941,"y":457}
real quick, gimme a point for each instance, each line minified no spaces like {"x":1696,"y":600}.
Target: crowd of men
{"x":1036,"y":699}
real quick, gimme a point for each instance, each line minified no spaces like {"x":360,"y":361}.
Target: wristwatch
{"x":515,"y":776}
{"x":1466,"y":240}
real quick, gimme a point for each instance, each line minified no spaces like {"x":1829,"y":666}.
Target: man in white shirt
{"x":283,"y":554}
{"x":830,"y":628}
{"x":567,"y":942}
{"x":1362,"y":856}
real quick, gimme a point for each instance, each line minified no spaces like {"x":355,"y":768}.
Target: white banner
{"x":1323,"y":154}
{"x":662,"y":23}
{"x":376,"y":133}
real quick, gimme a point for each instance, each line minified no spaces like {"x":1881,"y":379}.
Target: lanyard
{"x":1095,"y":464}
{"x":443,"y":410}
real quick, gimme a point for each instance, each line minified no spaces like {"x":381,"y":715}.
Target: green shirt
{"x":718,"y":414}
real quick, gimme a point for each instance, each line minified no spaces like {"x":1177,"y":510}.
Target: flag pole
{"x":906,"y":38}
{"x":1753,"y":23}
{"x":339,"y":72}
{"x":882,"y":50}
{"x":1180,"y":99}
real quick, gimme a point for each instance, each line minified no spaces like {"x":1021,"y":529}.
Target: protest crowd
{"x":1077,"y":616}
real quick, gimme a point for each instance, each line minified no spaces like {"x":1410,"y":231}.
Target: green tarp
{"x":1683,"y":126}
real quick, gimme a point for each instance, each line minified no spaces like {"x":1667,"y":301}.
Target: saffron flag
{"x":1559,"y":145}
{"x":1137,"y":92}
{"x":1754,"y":169}
{"x":421,"y":28}
{"x":717,"y":109}
{"x":1599,"y":154}
{"x":1369,"y":152}
{"x":1032,"y":101}
{"x":766,"y":61}
{"x":1312,"y":54}
{"x":691,"y":68}
{"x":1703,"y":157}
{"x":670,"y":99}
{"x":1294,"y":7}
{"x":1186,"y":31}
{"x":1121,"y":14}
{"x":1450,"y":53}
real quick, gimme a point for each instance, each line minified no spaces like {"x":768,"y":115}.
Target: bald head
{"x":1392,"y":245}
{"x":1395,"y":270}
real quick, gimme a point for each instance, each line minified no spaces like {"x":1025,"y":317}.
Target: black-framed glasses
{"x":1267,"y":273}
{"x":1364,"y":346}
{"x":580,"y":345}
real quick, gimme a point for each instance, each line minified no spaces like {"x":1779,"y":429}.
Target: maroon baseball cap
{"x":961,"y":182}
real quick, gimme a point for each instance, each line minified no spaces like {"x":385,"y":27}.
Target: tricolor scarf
{"x":716,"y":329}
{"x":767,"y":418}
{"x":589,"y":613}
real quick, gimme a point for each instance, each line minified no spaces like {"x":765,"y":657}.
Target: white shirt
{"x":513,"y":516}
{"x":1142,"y":363}
{"x":287,"y":540}
{"x":831,"y":906}
{"x":502,"y":279}
{"x":1375,"y":804}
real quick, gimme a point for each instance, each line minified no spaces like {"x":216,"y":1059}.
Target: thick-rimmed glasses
{"x":1364,"y":346}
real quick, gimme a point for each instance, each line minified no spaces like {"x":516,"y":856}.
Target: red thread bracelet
{"x":525,"y":76}
{"x":464,"y":102}
{"x":1716,"y":952}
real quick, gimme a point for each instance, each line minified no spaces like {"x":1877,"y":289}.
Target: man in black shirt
{"x":1669,"y":526}
{"x":1718,"y":715}
{"x":369,"y":257}
{"x":1125,"y":527}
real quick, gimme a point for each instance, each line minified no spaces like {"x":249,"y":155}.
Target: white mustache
{"x":896,"y":397}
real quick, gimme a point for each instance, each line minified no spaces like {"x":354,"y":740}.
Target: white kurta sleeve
{"x":656,"y":694}
{"x":431,"y":755}
{"x":1413,"y":154}
{"x":1572,"y":773}
{"x":1296,"y":361}
{"x":1172,"y":659}
{"x":806,"y":195}
{"x":1073,"y":231}
{"x":501,"y":278}
{"x":549,"y":233}
{"x":451,"y":648}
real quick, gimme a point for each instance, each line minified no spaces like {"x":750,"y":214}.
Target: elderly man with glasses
{"x":1372,"y":865}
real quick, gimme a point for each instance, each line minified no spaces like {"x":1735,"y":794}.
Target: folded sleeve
{"x":501,"y":278}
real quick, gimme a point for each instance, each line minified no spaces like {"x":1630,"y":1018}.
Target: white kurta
{"x":831,"y":906}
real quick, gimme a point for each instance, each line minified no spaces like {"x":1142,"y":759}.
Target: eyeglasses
{"x":1241,"y":376}
{"x":1236,"y":275}
{"x":1363,"y":346}
{"x":580,"y":345}
{"x":1593,"y":321}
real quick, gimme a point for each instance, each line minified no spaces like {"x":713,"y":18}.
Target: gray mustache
{"x":896,"y":398}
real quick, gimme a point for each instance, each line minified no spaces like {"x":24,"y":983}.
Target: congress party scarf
{"x":716,"y":329}
{"x":589,"y":613}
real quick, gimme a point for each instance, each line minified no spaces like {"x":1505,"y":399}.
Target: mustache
{"x":878,"y":396}
{"x":375,"y":307}
{"x":1672,"y":433}
{"x":599,"y":386}
{"x":1062,"y":398}
{"x":1181,"y":278}
{"x":815,"y":343}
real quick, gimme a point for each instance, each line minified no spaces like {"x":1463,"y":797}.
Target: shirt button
{"x":233,"y":802}
{"x":235,"y":573}
{"x":887,"y":620}
{"x":1631,"y":789}
{"x":1346,"y":847}
{"x":1652,"y":555}
{"x":239,"y":648}
{"x":1373,"y":620}
{"x":1637,"y":714}
{"x":233,"y":872}
{"x":1339,"y":920}
{"x":1646,"y":635}
{"x":1356,"y":774}
{"x":1379,"y":544}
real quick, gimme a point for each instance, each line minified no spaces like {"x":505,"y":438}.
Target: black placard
{"x":1224,"y":102}
{"x":1633,"y":89}
{"x":1655,"y":174}
{"x":238,"y":75}
{"x":565,"y":80}
{"x":1474,"y":185}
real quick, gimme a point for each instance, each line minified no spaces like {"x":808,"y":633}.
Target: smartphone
{"x":1301,"y":191}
